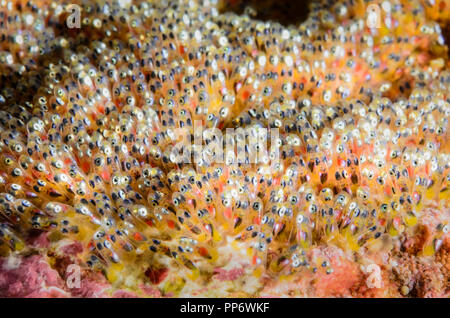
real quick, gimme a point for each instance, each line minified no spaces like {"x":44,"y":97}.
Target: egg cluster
{"x":88,"y":119}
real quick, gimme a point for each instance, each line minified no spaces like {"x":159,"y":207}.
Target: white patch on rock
{"x":12,"y":262}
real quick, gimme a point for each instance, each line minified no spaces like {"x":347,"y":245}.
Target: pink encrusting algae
{"x":89,"y":173}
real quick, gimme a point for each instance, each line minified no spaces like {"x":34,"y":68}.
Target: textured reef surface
{"x":349,"y":199}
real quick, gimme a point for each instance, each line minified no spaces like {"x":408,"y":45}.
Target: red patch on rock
{"x":156,"y":275}
{"x":72,"y":249}
{"x":227,"y":275}
{"x":124,"y":294}
{"x":39,"y":241}
{"x":150,"y":291}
